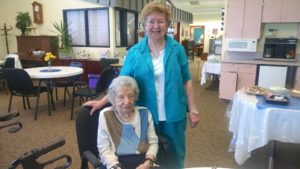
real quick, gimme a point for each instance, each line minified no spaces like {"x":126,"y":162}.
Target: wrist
{"x":150,"y":161}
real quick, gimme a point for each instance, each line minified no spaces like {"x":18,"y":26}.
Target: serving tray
{"x":276,"y":99}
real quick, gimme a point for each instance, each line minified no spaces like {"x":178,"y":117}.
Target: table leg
{"x":50,"y":94}
{"x":271,"y":154}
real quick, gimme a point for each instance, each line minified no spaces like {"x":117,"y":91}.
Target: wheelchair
{"x":29,"y":159}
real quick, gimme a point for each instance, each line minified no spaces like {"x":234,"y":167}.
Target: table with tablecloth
{"x":254,"y":123}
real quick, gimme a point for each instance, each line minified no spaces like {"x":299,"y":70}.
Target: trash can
{"x":93,"y":79}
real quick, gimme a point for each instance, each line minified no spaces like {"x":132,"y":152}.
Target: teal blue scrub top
{"x":138,"y":64}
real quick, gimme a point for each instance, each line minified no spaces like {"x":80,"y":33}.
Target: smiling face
{"x":156,"y":26}
{"x":124,"y":100}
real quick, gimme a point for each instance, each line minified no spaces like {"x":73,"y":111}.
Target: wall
{"x":210,"y":21}
{"x":52,"y":12}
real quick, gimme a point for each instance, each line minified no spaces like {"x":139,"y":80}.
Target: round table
{"x":57,"y":72}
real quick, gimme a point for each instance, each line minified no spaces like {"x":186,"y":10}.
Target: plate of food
{"x":276,"y":99}
{"x":256,"y":90}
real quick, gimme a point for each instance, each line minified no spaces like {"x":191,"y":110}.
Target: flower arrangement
{"x":49,"y":56}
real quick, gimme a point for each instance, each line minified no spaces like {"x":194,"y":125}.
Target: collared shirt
{"x":138,"y":64}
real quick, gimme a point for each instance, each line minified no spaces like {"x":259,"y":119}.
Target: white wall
{"x":209,"y":21}
{"x":52,"y":12}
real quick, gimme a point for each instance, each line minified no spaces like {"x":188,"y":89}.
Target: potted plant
{"x":23,"y":21}
{"x":65,"y":49}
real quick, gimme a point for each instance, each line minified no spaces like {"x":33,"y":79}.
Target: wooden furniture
{"x":234,"y":77}
{"x":27,"y":44}
{"x":281,"y":11}
{"x":243,"y":19}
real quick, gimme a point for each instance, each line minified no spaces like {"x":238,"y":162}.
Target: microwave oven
{"x":241,"y":45}
{"x":281,"y":49}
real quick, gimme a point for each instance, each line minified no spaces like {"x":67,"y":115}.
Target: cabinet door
{"x":297,"y":79}
{"x":227,"y":86}
{"x":245,"y":79}
{"x":290,"y":11}
{"x":272,"y":10}
{"x":234,"y":18}
{"x":252,"y":19}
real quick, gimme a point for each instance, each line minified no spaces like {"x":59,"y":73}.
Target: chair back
{"x":87,"y":130}
{"x":106,"y":76}
{"x":9,"y":63}
{"x":105,"y":62}
{"x":18,"y":80}
{"x":76,"y":77}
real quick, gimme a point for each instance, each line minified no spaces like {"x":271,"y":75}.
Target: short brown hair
{"x":153,"y":7}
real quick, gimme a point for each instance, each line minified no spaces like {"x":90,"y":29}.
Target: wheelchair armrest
{"x":91,"y":158}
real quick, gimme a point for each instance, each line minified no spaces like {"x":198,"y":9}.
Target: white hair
{"x":122,"y":81}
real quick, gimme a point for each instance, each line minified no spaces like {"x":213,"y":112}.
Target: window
{"x":126,"y":27}
{"x":88,"y":27}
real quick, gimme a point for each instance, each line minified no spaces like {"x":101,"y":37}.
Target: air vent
{"x":194,"y":2}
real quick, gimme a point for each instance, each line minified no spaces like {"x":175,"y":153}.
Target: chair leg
{"x":9,"y":105}
{"x":65,"y":92}
{"x":48,"y":101}
{"x":28,"y":103}
{"x":36,"y":106}
{"x":24,"y":104}
{"x":56,"y":95}
{"x":68,"y":93}
{"x":72,"y":107}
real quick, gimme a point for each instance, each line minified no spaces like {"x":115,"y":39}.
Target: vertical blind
{"x":88,"y":27}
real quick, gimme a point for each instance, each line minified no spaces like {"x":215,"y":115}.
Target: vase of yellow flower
{"x":48,"y":57}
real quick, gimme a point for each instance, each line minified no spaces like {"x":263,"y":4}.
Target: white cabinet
{"x":281,"y":11}
{"x":234,"y":77}
{"x":243,"y":19}
{"x":297,"y":79}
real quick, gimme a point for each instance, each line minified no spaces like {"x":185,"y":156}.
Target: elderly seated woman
{"x":126,"y":135}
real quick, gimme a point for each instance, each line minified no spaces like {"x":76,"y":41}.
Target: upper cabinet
{"x":243,"y":19}
{"x":281,"y":11}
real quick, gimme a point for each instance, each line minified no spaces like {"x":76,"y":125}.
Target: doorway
{"x":197,"y":33}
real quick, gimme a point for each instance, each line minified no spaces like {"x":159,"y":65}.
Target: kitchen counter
{"x":259,"y":61}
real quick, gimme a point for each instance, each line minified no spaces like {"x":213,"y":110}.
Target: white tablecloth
{"x":209,"y":67}
{"x":64,"y":71}
{"x":253,"y":127}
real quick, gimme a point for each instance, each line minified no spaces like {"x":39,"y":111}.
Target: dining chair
{"x":105,"y":62}
{"x":9,"y":63}
{"x":84,"y":91}
{"x":66,"y":82}
{"x":20,"y":84}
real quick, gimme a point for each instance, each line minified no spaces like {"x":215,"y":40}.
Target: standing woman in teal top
{"x":160,"y":66}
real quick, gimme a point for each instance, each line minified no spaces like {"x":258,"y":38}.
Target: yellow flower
{"x":49,"y":56}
